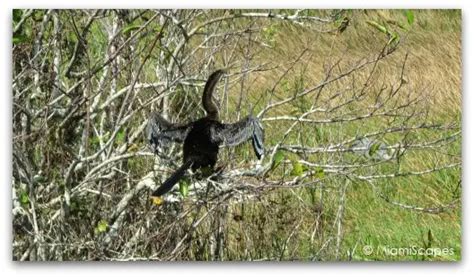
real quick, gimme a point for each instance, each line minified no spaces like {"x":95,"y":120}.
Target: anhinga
{"x":203,"y":137}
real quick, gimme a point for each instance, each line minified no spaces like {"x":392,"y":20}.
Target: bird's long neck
{"x":207,"y":103}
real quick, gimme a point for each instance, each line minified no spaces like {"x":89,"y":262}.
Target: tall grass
{"x":433,"y":45}
{"x":330,"y":217}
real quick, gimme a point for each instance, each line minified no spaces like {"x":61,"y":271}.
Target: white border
{"x":238,"y":269}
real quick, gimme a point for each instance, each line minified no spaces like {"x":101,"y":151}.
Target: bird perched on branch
{"x":203,"y":137}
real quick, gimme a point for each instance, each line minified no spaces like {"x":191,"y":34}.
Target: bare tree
{"x":85,"y":81}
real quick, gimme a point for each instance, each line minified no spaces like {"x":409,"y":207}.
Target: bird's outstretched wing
{"x":160,"y":131}
{"x":240,"y":132}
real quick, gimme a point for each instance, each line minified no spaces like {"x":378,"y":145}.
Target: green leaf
{"x":285,"y":86}
{"x":184,"y":187}
{"x":95,"y":141}
{"x":38,"y":15}
{"x":297,"y":168}
{"x":269,"y":34}
{"x":130,"y":27}
{"x":19,"y":38}
{"x":102,"y":226}
{"x":319,"y":172}
{"x":377,"y":26}
{"x":24,"y":198}
{"x":374,"y":148}
{"x":277,"y":159}
{"x":17,"y":14}
{"x":120,"y":137}
{"x":410,"y":16}
{"x":394,"y":39}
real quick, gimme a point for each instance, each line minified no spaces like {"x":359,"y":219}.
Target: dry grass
{"x":330,"y":219}
{"x":433,"y":43}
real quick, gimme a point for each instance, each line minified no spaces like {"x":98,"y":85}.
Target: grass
{"x":306,"y":222}
{"x":434,"y":67}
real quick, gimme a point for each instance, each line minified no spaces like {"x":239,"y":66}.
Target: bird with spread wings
{"x":202,"y":138}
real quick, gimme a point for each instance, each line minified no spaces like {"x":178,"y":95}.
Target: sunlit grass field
{"x":331,"y":215}
{"x":433,"y":44}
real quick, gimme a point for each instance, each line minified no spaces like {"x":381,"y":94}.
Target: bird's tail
{"x":172,"y":180}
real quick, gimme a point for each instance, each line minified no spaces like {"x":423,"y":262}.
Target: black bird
{"x":203,"y":137}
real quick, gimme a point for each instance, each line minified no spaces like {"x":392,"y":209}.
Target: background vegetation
{"x":361,"y":109}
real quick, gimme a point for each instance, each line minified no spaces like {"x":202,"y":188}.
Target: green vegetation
{"x":84,"y":83}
